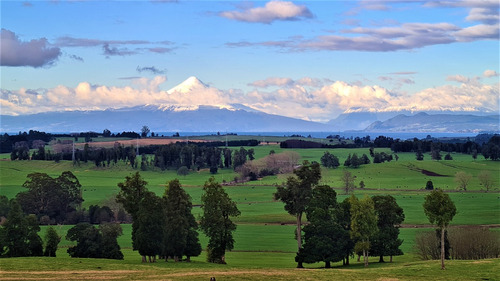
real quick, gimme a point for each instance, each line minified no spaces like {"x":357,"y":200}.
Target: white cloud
{"x":320,"y":101}
{"x":272,"y":11}
{"x":490,"y":73}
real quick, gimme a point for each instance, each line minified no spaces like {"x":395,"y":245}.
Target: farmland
{"x":264,"y":237}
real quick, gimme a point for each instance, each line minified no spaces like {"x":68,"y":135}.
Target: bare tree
{"x":462,"y":179}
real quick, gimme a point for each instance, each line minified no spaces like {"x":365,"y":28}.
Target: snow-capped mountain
{"x":189,"y":85}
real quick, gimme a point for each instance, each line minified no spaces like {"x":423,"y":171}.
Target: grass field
{"x":265,"y":246}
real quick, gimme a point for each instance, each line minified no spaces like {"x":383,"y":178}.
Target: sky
{"x":311,"y":60}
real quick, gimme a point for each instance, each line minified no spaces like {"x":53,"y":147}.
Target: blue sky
{"x":305,"y":59}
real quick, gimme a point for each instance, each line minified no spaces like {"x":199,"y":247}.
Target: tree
{"x":53,"y":197}
{"x":329,"y":160}
{"x":429,"y":185}
{"x":150,"y":227}
{"x":448,"y":156}
{"x":110,"y":247}
{"x":297,"y":192}
{"x":485,"y":180}
{"x":419,"y":155}
{"x":324,"y":237}
{"x":440,"y":210}
{"x":132,"y":192}
{"x":216,"y":222}
{"x":183,"y":171}
{"x":52,"y":240}
{"x":35,"y":244}
{"x":390,"y":215}
{"x":179,"y":221}
{"x":363,"y":224}
{"x":145,"y":131}
{"x":348,"y":181}
{"x":462,"y":179}
{"x":88,"y":241}
{"x":106,"y":133}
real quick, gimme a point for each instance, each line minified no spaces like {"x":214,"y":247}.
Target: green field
{"x":265,"y":246}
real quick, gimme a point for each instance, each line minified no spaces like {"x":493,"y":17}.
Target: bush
{"x":474,"y":243}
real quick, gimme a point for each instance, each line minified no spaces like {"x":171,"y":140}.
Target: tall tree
{"x":297,"y":192}
{"x":347,"y":181}
{"x":150,"y":227}
{"x":324,"y":237}
{"x":110,"y":247}
{"x":485,"y":180}
{"x":52,"y":240}
{"x":131,"y":193}
{"x":216,"y":222}
{"x":363,"y":224}
{"x":180,"y":222}
{"x":440,"y":210}
{"x":390,"y":215}
{"x":462,"y":179}
{"x":15,"y":232}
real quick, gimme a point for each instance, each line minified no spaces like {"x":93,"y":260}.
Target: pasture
{"x":265,"y":246}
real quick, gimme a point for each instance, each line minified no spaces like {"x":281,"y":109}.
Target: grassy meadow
{"x":264,"y":240}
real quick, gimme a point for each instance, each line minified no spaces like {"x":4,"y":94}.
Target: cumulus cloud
{"x":305,"y":98}
{"x":490,"y":73}
{"x":272,"y":11}
{"x":35,"y":53}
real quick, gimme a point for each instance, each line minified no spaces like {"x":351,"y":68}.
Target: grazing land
{"x":264,"y":240}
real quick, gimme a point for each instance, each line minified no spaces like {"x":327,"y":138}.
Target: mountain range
{"x":239,"y":118}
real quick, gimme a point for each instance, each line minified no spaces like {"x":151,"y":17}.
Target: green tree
{"x":110,"y":247}
{"x":183,"y":171}
{"x":131,"y":193}
{"x":52,"y":240}
{"x":88,"y":241}
{"x":180,"y":222}
{"x":363,"y":224}
{"x":329,"y":160}
{"x":35,"y":244}
{"x":15,"y":232}
{"x":53,"y":197}
{"x":440,"y":210}
{"x":297,"y":192}
{"x":324,"y":237}
{"x":150,"y":227}
{"x":390,"y":215}
{"x":429,"y":185}
{"x":216,"y":222}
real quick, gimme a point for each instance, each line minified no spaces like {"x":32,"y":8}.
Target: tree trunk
{"x":391,"y":259}
{"x":327,"y":264}
{"x":176,"y":258}
{"x":359,"y":258}
{"x":188,"y":258}
{"x":149,"y":257}
{"x":365,"y":257}
{"x":343,"y":261}
{"x":144,"y":259}
{"x":299,"y":265}
{"x":442,"y":248}
{"x":347,"y":260}
{"x":381,"y":259}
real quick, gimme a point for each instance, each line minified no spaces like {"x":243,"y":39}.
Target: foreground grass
{"x":241,"y":266}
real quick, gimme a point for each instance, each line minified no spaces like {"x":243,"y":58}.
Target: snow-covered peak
{"x":190,"y":84}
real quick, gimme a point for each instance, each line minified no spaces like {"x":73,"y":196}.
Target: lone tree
{"x":363,"y":224}
{"x":329,"y":160}
{"x":216,"y":222}
{"x":429,"y":185}
{"x":485,"y":180}
{"x":440,"y":210}
{"x":145,"y":131}
{"x":348,"y":181}
{"x":297,"y":192}
{"x":462,"y":179}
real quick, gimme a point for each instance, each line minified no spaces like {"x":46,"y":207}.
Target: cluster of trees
{"x":354,"y":161}
{"x":329,"y":160}
{"x":272,"y":164}
{"x":92,"y":242}
{"x":51,"y":199}
{"x":19,"y":235}
{"x":338,"y":230}
{"x":165,"y":227}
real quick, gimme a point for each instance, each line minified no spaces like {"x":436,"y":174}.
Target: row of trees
{"x":165,"y":227}
{"x":338,"y":230}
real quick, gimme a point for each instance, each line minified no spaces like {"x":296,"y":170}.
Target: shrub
{"x":474,"y":243}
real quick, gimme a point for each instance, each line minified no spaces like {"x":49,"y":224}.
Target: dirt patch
{"x":387,"y":279}
{"x":431,"y":174}
{"x":476,"y":262}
